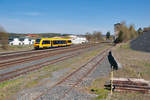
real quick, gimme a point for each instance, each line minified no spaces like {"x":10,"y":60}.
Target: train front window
{"x":38,"y":41}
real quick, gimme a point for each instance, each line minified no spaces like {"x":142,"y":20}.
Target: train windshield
{"x":38,"y":41}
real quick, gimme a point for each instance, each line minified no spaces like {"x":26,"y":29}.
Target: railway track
{"x":9,"y":63}
{"x":56,"y":92}
{"x":12,"y":55}
{"x":24,"y":70}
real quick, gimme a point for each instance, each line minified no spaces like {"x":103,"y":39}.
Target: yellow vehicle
{"x":49,"y":43}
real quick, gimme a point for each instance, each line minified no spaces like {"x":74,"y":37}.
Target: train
{"x":50,"y":43}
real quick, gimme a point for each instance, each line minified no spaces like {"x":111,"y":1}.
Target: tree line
{"x":126,"y":33}
{"x":96,"y":36}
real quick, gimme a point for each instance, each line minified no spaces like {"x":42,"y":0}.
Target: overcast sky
{"x":72,"y":16}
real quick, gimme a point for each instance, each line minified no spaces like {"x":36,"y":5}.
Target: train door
{"x":55,"y":43}
{"x":46,"y":44}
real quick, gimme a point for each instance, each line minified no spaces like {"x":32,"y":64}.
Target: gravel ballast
{"x":142,"y":43}
{"x":76,"y":93}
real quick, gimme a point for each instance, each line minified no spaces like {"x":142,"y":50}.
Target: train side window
{"x":69,"y":41}
{"x":54,"y":42}
{"x":46,"y":42}
{"x":59,"y":42}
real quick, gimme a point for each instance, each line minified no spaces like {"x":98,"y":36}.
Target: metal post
{"x":112,"y":80}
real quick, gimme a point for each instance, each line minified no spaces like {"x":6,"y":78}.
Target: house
{"x":15,"y":41}
{"x":78,"y":39}
{"x":21,"y":41}
{"x":26,"y":41}
{"x":32,"y":36}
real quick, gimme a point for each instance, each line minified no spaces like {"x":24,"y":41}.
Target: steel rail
{"x":35,"y":67}
{"x":31,"y":52}
{"x":71,"y":74}
{"x":7,"y":64}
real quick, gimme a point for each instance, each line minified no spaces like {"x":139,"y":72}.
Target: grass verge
{"x":135,"y":65}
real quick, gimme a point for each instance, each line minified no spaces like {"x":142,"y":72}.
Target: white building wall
{"x":78,"y":40}
{"x":26,"y":41}
{"x":32,"y":41}
{"x":15,"y":42}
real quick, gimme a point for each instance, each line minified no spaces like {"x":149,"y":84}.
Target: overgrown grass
{"x":134,"y":62}
{"x":98,"y":88}
{"x":135,"y":65}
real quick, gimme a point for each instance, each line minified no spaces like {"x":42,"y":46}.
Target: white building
{"x":21,"y":41}
{"x":32,"y":41}
{"x":78,"y":39}
{"x":26,"y":41}
{"x":15,"y":41}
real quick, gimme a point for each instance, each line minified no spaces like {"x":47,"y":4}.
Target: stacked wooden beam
{"x":129,"y":84}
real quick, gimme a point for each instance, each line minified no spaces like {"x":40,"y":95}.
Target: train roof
{"x":53,"y":39}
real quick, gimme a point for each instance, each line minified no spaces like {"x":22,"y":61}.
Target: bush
{"x":108,"y":35}
{"x":126,"y":33}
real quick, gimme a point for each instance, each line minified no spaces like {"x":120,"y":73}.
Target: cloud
{"x":32,"y":13}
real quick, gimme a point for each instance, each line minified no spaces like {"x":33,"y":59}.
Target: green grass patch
{"x":102,"y":93}
{"x":98,"y":88}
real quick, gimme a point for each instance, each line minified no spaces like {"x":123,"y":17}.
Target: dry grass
{"x":17,"y":48}
{"x":135,"y":65}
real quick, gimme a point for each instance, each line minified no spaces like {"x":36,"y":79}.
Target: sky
{"x":72,"y":16}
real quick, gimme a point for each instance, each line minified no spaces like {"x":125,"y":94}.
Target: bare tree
{"x":94,"y":37}
{"x":3,"y":38}
{"x":97,"y":36}
{"x":88,"y":36}
{"x":126,"y":33}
